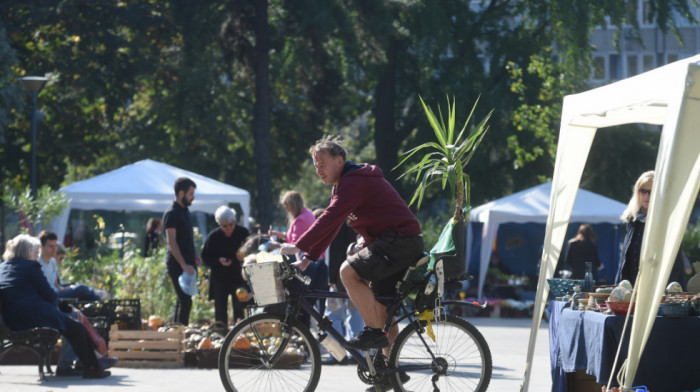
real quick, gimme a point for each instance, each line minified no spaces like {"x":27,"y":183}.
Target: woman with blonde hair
{"x":635,"y":216}
{"x":299,"y":218}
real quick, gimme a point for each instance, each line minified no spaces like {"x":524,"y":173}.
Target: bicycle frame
{"x":296,"y":302}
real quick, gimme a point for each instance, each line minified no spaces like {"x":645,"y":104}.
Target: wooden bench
{"x":40,"y":341}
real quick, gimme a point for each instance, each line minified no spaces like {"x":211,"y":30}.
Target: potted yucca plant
{"x":445,"y":159}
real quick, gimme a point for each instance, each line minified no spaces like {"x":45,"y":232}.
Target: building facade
{"x":631,"y":57}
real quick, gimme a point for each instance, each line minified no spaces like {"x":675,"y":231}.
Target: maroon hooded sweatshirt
{"x":370,"y":204}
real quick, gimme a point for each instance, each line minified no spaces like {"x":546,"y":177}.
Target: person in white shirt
{"x":49,"y":245}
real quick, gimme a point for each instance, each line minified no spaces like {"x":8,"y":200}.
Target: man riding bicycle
{"x":392,"y":236}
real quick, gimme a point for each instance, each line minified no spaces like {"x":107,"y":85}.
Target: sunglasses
{"x":644,"y":192}
{"x":226,"y":225}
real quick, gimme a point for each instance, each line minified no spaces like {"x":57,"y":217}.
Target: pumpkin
{"x":241,"y":293}
{"x":205,"y":343}
{"x":241,"y":343}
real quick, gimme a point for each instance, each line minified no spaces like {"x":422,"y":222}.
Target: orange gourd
{"x":241,"y":343}
{"x":205,"y":343}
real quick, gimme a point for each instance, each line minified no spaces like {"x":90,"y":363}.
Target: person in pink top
{"x":299,"y":217}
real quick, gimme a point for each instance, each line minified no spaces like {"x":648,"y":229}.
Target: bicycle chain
{"x":367,"y":378}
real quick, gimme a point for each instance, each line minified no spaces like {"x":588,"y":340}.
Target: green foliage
{"x":134,"y":276}
{"x":540,"y":91}
{"x":447,"y":157}
{"x":618,"y":156}
{"x":10,"y":93}
{"x":36,"y":213}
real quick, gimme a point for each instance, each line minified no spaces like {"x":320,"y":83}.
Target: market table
{"x":588,"y":340}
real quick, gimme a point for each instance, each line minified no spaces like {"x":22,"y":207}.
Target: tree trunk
{"x":261,"y":116}
{"x":459,"y":199}
{"x":385,"y":135}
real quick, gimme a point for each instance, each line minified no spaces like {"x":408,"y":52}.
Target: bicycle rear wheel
{"x":244,"y":358}
{"x":462,"y":358}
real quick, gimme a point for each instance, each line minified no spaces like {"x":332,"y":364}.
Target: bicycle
{"x":433,"y":352}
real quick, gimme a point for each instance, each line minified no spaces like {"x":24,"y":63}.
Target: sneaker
{"x":385,"y":384}
{"x":368,"y":338}
{"x":67,"y":372}
{"x":96,"y":373}
{"x":107,"y":362}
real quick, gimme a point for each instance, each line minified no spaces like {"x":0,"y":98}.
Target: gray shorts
{"x":385,"y":260}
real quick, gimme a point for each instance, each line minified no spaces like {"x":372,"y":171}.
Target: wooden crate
{"x":146,"y":348}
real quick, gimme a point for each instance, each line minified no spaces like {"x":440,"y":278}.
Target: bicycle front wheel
{"x":245,"y":359}
{"x":462,"y":359}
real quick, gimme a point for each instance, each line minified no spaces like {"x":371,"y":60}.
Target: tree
{"x":175,"y":81}
{"x":563,"y":67}
{"x":309,"y":69}
{"x":261,"y":116}
{"x":94,"y":55}
{"x":467,"y":48}
{"x":36,"y":212}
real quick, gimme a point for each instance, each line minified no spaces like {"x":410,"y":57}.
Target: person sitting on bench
{"x":29,"y":302}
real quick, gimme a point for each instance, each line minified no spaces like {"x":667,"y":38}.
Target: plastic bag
{"x":100,"y":344}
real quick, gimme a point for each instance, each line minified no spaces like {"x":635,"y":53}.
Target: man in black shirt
{"x":180,"y":238}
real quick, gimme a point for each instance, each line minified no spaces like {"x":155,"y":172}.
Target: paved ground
{"x":507,"y":339}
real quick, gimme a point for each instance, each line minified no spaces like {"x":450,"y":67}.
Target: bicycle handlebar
{"x":289,"y":272}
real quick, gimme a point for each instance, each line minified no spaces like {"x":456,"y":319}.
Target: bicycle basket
{"x":266,"y":282}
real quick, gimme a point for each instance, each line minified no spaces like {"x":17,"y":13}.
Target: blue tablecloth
{"x":670,"y":361}
{"x":558,"y":374}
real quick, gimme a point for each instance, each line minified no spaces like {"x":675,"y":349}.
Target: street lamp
{"x":34,"y":84}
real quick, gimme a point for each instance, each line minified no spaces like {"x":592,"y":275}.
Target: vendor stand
{"x":587,"y":340}
{"x":668,"y":96}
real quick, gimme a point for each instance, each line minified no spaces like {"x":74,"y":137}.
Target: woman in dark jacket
{"x":582,"y":249}
{"x":29,"y":302}
{"x":634,"y":217}
{"x":220,"y":255}
{"x":154,"y":229}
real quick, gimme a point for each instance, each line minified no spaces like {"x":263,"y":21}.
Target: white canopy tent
{"x":146,"y":185}
{"x":532,"y":206}
{"x":668,"y":96}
